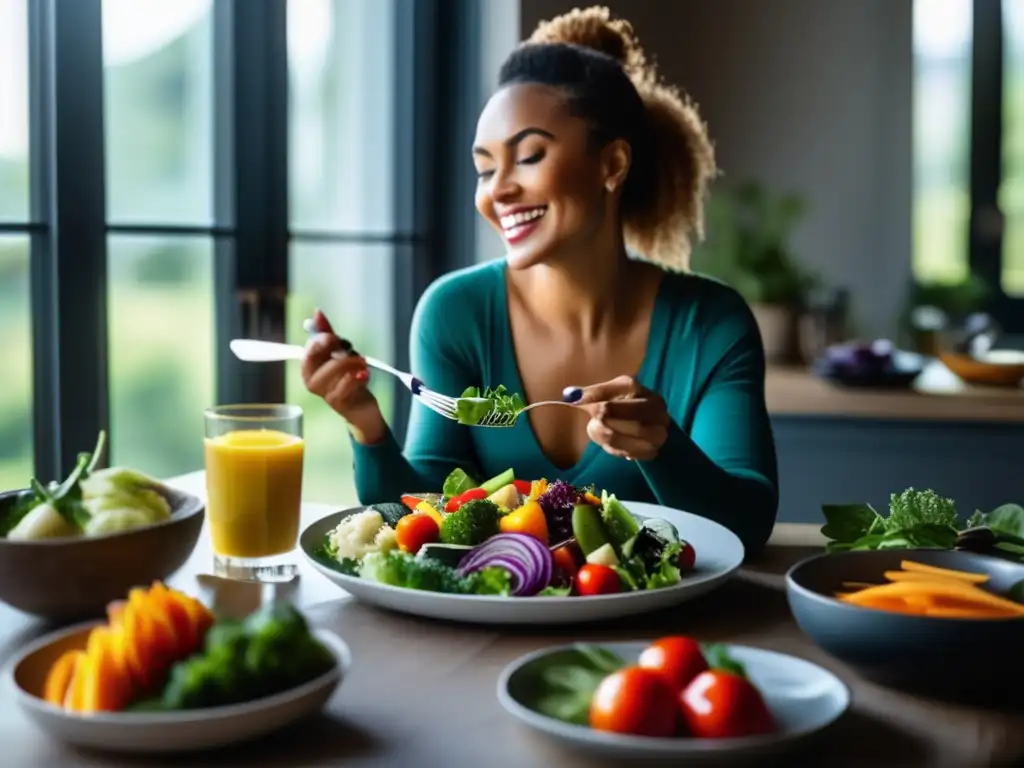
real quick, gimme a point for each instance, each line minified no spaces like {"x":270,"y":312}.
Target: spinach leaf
{"x":1008,"y":518}
{"x":15,"y":510}
{"x":718,"y":657}
{"x":846,"y":523}
{"x":566,"y":683}
{"x":458,"y":482}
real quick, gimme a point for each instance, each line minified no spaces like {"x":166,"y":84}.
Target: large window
{"x":969,"y":150}
{"x":942,"y":138}
{"x":158,"y":97}
{"x":1011,"y":191}
{"x":15,"y":315}
{"x":177,"y":174}
{"x":342,"y":205}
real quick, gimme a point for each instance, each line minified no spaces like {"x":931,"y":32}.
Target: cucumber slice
{"x":588,"y":529}
{"x":603,"y":555}
{"x":495,"y":483}
{"x":618,"y":521}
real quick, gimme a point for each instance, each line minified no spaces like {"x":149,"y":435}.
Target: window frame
{"x":436,"y":93}
{"x":985,"y":238}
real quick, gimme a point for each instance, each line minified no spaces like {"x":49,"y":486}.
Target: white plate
{"x":719,"y":553}
{"x":803,"y":698}
{"x":160,"y":732}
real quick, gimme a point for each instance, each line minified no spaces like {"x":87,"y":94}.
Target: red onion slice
{"x":527,"y":559}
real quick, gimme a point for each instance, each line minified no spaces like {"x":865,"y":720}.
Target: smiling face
{"x":540,"y":183}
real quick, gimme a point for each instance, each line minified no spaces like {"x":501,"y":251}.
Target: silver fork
{"x":448,"y":406}
{"x":570,"y":396}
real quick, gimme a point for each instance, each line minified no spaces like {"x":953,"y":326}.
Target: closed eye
{"x":484,"y":175}
{"x":534,"y":158}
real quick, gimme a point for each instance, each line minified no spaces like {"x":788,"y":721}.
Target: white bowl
{"x":803,"y":698}
{"x":163,"y":732}
{"x":719,"y":553}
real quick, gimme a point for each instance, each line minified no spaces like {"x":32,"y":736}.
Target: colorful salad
{"x":509,"y":537}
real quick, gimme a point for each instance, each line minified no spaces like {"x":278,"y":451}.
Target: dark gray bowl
{"x":75,"y":578}
{"x":966,"y":659}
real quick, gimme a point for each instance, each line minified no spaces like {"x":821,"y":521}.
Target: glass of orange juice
{"x":254,"y":489}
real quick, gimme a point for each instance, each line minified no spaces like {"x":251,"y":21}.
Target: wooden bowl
{"x":997,"y":368}
{"x":75,"y":578}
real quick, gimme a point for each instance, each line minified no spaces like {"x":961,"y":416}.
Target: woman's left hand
{"x":626,"y":419}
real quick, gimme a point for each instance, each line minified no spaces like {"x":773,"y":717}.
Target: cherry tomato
{"x":722,"y":705}
{"x":565,"y":563}
{"x":679,"y":658}
{"x":687,"y":557}
{"x":523,"y":486}
{"x":413,"y":531}
{"x":635,"y":701}
{"x":593,"y":579}
{"x":457,"y":501}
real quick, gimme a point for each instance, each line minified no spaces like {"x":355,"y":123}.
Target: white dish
{"x":164,"y":732}
{"x":719,"y":552}
{"x":1002,"y":357}
{"x":803,"y":698}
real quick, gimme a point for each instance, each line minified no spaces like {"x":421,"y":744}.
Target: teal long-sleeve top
{"x":704,"y":357}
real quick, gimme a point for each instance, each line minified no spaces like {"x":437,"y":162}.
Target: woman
{"x":581,"y":154}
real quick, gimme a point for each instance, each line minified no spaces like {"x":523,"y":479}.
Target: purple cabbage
{"x":557,"y":502}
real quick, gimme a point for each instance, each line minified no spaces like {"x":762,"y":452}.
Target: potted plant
{"x":748,"y":247}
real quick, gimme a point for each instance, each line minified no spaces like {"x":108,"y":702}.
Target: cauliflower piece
{"x":358,"y":535}
{"x":385,"y":539}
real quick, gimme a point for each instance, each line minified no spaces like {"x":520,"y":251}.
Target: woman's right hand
{"x":336,"y":372}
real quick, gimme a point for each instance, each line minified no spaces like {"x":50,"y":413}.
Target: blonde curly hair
{"x":673,"y":156}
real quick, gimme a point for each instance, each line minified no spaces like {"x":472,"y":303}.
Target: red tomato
{"x":593,"y":579}
{"x":635,"y":701}
{"x":457,"y":501}
{"x":722,"y":705}
{"x":687,"y":557}
{"x":565,"y":563}
{"x":523,"y":486}
{"x":413,"y":531}
{"x":679,"y":658}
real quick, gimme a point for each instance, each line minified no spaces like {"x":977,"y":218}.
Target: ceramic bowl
{"x":163,"y":732}
{"x":804,"y":699}
{"x":75,"y":578}
{"x":997,"y":367}
{"x":965,"y":658}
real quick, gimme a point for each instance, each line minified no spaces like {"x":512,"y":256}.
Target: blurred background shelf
{"x":936,"y":395}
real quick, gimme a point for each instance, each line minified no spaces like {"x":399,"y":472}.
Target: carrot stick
{"x":966,"y":592}
{"x":973,"y":578}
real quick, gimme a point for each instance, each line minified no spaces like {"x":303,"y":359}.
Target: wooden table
{"x":422,"y":693}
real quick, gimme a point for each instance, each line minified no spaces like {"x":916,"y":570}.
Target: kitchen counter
{"x":937,"y":395}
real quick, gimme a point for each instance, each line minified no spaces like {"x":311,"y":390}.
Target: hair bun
{"x":595,"y":28}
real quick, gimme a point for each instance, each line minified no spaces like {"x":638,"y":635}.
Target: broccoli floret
{"x":493,"y":580}
{"x":913,"y":507}
{"x":401,"y":569}
{"x":271,"y":651}
{"x":471,"y":524}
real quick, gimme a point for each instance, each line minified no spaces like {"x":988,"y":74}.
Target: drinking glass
{"x":254,"y":489}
